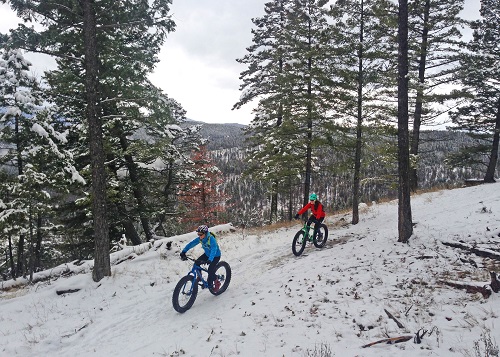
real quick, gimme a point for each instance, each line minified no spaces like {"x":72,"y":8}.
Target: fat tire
{"x":321,"y":243}
{"x":223,"y":269}
{"x":186,"y":283}
{"x":298,"y":243}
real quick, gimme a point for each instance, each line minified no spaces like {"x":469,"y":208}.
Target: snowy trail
{"x":278,"y":304}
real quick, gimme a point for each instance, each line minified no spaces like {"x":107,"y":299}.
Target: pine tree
{"x":289,"y":76}
{"x":307,"y":80}
{"x":434,"y":48}
{"x":261,"y":82}
{"x":18,"y":102}
{"x":480,"y":75}
{"x":119,"y":42}
{"x":37,"y":168}
{"x":364,"y":32}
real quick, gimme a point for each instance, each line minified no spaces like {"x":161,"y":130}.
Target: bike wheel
{"x":185,"y":294}
{"x":320,"y":238}
{"x":222,"y":279}
{"x":299,"y":243}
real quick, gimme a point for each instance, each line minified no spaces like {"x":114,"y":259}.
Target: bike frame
{"x":196,"y":273}
{"x":308,"y":234}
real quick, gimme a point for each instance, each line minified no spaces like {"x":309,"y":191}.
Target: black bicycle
{"x":307,"y":234}
{"x":186,"y":290}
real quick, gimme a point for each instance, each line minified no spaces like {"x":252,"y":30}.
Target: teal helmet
{"x":313,"y":197}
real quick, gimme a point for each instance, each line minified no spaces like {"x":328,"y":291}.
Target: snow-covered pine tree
{"x":262,"y":83}
{"x":36,"y":168}
{"x":119,"y":42}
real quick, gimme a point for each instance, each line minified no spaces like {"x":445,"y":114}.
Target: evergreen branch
{"x":116,"y":99}
{"x":134,"y":22}
{"x":69,"y":10}
{"x":50,"y":53}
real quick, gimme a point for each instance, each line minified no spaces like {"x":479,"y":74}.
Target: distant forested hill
{"x":249,"y":200}
{"x":221,"y":136}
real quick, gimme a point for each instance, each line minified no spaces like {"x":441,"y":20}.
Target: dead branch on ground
{"x":390,"y":340}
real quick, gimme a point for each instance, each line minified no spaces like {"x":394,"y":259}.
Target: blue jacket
{"x":209,"y":245}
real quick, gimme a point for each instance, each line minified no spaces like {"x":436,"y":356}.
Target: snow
{"x":327,"y":302}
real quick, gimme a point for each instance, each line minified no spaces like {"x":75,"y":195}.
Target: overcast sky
{"x":198,"y":64}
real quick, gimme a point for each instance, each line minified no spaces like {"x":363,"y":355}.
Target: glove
{"x":297,"y":216}
{"x":183,"y":256}
{"x":200,"y":262}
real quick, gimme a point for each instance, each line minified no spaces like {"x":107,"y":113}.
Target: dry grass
{"x":271,"y":227}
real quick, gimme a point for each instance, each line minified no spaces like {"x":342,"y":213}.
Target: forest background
{"x":94,"y":153}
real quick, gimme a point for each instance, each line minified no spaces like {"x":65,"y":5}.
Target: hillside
{"x":220,"y":136}
{"x":327,"y":302}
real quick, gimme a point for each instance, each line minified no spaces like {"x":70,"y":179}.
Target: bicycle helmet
{"x":202,"y":229}
{"x":313,"y":197}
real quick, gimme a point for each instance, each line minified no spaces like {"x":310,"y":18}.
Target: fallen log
{"x":390,"y":340}
{"x":472,"y":182}
{"x":474,"y":250}
{"x":484,"y":290}
{"x":68,"y":291}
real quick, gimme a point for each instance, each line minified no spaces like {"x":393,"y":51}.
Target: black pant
{"x":316,"y":222}
{"x":202,"y":259}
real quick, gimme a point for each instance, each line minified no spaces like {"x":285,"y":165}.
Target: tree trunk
{"x":417,"y":119}
{"x":359,"y":126}
{"x":136,"y":188}
{"x":274,"y":191}
{"x":11,"y":258}
{"x":20,"y":270}
{"x":291,"y":211}
{"x":31,"y":246}
{"x":308,"y":168}
{"x":38,"y":246}
{"x":131,"y":232}
{"x":405,"y":227}
{"x":102,"y":265}
{"x":21,"y":264}
{"x":274,"y":203}
{"x":490,"y":172}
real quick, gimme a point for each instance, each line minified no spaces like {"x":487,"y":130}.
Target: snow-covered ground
{"x":327,"y":302}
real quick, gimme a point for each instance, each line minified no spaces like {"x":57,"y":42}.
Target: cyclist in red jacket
{"x":318,"y":214}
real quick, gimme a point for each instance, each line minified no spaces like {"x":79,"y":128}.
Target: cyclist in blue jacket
{"x":212,"y":252}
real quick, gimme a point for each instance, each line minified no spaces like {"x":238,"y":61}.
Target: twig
{"x":400,"y":325}
{"x":76,"y":331}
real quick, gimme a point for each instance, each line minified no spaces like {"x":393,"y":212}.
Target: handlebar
{"x":193,"y":259}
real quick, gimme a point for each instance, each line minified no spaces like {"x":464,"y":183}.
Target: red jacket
{"x":318,"y":213}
